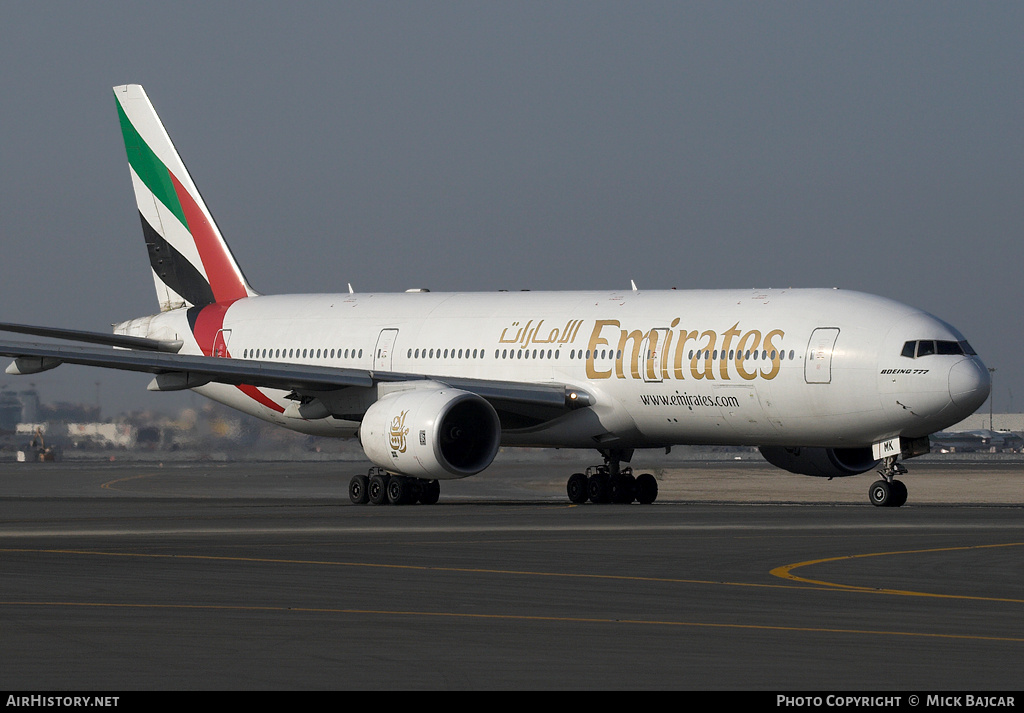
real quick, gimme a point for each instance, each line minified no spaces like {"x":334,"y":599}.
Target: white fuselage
{"x":810,"y":367}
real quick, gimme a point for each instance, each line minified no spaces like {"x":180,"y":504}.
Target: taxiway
{"x":263,"y":576}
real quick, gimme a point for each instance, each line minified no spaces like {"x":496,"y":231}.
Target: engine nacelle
{"x":821,"y":462}
{"x":431,"y":433}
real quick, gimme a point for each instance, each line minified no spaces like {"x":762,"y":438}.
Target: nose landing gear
{"x":889,"y":492}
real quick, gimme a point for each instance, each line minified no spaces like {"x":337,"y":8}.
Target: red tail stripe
{"x":220,"y":270}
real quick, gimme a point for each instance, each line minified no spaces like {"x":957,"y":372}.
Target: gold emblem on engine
{"x":398,"y":433}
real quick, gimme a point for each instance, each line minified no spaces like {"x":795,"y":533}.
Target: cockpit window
{"x":927,"y":347}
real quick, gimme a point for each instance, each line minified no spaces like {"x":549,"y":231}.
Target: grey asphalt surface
{"x":249,"y":576}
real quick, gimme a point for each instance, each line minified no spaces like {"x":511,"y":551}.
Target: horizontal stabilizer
{"x":110,"y":340}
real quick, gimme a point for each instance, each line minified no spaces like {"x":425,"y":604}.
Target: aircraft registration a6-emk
{"x":825,"y":382}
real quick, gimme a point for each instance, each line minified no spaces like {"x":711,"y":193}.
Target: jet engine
{"x":821,"y":462}
{"x":431,"y":433}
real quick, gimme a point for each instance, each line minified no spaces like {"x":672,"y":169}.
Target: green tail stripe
{"x":149,"y":167}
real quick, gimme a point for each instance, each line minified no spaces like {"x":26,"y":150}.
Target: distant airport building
{"x":997,"y":422}
{"x":977,"y":435}
{"x":10,"y":411}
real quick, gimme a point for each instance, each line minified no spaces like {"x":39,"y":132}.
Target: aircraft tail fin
{"x":192,"y":264}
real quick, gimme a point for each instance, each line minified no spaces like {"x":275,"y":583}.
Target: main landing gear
{"x":889,"y":492}
{"x":610,"y":483}
{"x":379,"y":487}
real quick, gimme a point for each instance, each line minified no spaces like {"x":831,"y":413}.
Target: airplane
{"x":825,"y":382}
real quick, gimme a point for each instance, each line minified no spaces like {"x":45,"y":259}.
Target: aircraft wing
{"x":180,"y":371}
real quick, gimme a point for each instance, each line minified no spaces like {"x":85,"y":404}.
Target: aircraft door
{"x":818,"y":364}
{"x":384,"y":351}
{"x":220,"y":343}
{"x":652,"y":353}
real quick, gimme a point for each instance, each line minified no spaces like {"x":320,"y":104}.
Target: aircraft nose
{"x":969,"y":384}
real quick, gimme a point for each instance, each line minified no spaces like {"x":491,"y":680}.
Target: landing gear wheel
{"x":576,"y":488}
{"x":898,"y":493}
{"x":646,"y":489}
{"x":621,"y":489}
{"x":377,"y":489}
{"x":399,"y":490}
{"x":881,"y":494}
{"x":597,"y":488}
{"x":357,"y":489}
{"x":430,"y":492}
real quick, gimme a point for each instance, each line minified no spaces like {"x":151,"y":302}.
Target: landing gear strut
{"x":379,"y":487}
{"x":611,"y":483}
{"x":889,"y":492}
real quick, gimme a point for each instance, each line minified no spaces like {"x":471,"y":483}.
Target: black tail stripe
{"x":174,"y":270}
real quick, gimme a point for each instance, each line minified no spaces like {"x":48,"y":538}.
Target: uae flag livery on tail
{"x":192,"y":265}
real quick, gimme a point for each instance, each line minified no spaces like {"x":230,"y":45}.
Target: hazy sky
{"x":525,"y":145}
